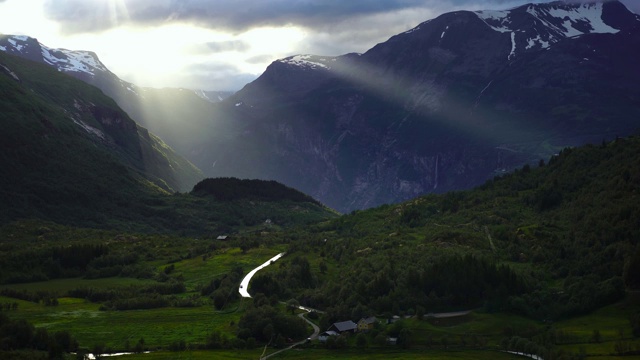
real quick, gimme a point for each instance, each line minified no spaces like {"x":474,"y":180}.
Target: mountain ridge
{"x":433,"y":109}
{"x":381,"y":126}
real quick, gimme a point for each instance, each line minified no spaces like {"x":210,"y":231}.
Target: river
{"x":244,"y":285}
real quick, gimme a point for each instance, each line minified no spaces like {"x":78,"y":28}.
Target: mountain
{"x":175,"y":115}
{"x":444,"y":106}
{"x":65,"y":142}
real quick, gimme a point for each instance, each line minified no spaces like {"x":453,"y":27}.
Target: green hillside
{"x":548,"y":242}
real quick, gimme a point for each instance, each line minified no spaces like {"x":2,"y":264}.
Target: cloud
{"x":78,"y":16}
{"x":260,"y":59}
{"x":215,"y":76}
{"x":224,"y":46}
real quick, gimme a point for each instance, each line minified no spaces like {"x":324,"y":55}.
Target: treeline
{"x":226,"y":189}
{"x":223,"y":289}
{"x":393,"y":283}
{"x":44,"y":263}
{"x":90,"y":261}
{"x":20,"y":334}
{"x":132,"y":297}
{"x":578,"y":296}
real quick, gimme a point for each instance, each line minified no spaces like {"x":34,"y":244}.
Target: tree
{"x":293,"y":305}
{"x":404,"y":338}
{"x":380,"y":340}
{"x":361,"y":341}
{"x":323,"y":267}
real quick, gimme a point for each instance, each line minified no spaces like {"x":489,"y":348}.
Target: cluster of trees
{"x":9,"y":306}
{"x":579,"y":296}
{"x":20,"y":334}
{"x":398,"y":283}
{"x":147,"y":296}
{"x":225,"y":189}
{"x":90,"y":260}
{"x":223,"y":289}
{"x":265,"y":323}
{"x":41,"y":296}
{"x":43,"y":263}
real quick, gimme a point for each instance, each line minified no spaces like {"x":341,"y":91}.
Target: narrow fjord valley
{"x":483,"y":167}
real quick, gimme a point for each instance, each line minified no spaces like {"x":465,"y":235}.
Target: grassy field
{"x":312,"y":354}
{"x":198,"y":271}
{"x":116,"y":329}
{"x":64,"y":285}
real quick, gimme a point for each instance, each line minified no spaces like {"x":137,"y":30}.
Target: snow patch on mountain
{"x":72,"y":61}
{"x":307,"y":61}
{"x":445,"y":30}
{"x":537,"y":40}
{"x":589,"y":13}
{"x":89,"y":129}
{"x":16,"y":46}
{"x":513,"y":45}
{"x":63,"y":59}
{"x":497,"y":20}
{"x":552,"y":22}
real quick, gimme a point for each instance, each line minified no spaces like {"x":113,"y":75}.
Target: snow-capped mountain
{"x":163,"y":111}
{"x":534,"y":27}
{"x":81,"y":64}
{"x":443,"y":106}
{"x":64,"y":60}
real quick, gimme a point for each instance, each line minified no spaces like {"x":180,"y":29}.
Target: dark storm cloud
{"x":235,"y":15}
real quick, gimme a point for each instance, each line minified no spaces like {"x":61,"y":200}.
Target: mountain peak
{"x":309,"y":61}
{"x":68,"y":61}
{"x":538,"y":26}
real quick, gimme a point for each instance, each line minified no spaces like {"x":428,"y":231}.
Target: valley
{"x":537,"y":289}
{"x":469,"y":188}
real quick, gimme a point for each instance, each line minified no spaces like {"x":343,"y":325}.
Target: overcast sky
{"x":220,"y":44}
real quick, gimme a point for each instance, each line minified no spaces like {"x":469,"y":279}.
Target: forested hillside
{"x":547,"y":242}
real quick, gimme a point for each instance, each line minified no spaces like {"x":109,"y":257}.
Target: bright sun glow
{"x":13,"y":21}
{"x":159,"y":56}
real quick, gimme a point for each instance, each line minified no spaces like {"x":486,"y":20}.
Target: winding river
{"x":244,"y":285}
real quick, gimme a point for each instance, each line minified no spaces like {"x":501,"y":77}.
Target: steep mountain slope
{"x":443,"y":106}
{"x":175,"y":115}
{"x":107,"y":124}
{"x":68,"y":148}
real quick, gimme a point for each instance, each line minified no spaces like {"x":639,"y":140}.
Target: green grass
{"x":64,"y":285}
{"x":196,"y":355}
{"x":197,"y":271}
{"x":612,"y":322}
{"x":158,"y":327}
{"x":312,"y":354}
{"x":395,"y":354}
